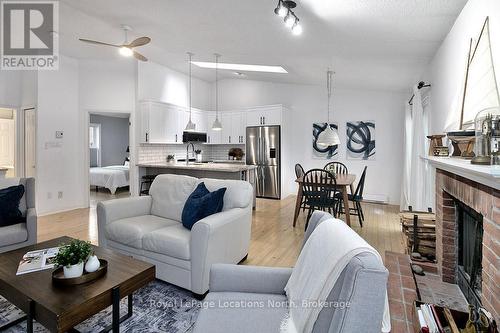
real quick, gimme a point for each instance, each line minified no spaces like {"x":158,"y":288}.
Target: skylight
{"x":241,"y":67}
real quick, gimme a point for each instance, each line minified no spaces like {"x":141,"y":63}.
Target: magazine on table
{"x":38,"y":260}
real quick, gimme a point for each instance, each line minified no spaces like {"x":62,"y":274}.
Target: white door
{"x":8,"y":145}
{"x":29,"y":143}
{"x":237,"y":128}
{"x":226,"y":133}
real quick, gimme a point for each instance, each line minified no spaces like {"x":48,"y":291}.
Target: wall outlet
{"x":60,"y":194}
{"x":59,"y":134}
{"x":49,"y":195}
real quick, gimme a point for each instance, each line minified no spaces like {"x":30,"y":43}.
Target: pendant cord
{"x":329,"y":88}
{"x":190,"y":76}
{"x":217,"y":86}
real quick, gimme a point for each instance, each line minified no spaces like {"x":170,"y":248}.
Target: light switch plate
{"x":59,"y":134}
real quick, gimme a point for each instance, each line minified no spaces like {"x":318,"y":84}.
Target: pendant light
{"x":217,"y":126}
{"x":190,"y":127}
{"x":328,"y":137}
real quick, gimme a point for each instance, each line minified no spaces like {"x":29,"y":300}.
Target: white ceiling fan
{"x":126,"y":49}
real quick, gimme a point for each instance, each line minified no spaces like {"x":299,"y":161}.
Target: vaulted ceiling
{"x":374,"y":44}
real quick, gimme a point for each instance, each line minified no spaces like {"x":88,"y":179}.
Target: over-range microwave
{"x":194,"y":137}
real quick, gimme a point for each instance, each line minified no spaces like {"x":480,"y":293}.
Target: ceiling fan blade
{"x":96,"y":42}
{"x":140,"y":41}
{"x":139,"y":56}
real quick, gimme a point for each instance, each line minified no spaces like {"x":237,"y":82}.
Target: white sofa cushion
{"x":239,"y":194}
{"x":13,"y":234}
{"x":172,"y":241}
{"x":169,"y":193}
{"x":130,"y":231}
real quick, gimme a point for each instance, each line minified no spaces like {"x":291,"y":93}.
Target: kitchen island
{"x":202,"y":170}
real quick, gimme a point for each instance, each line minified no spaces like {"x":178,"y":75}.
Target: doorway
{"x":109,"y":172}
{"x":8,"y":147}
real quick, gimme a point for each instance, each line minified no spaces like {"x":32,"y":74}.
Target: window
{"x":94,"y":136}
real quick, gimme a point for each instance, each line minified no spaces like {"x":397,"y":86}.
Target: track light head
{"x":281,"y":9}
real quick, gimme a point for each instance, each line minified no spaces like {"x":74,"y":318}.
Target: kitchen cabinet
{"x":264,"y":116}
{"x":238,"y":127}
{"x":200,"y":119}
{"x":159,"y":123}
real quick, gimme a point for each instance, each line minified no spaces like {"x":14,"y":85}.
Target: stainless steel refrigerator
{"x":263,"y":150}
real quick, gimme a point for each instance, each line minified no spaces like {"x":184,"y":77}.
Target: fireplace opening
{"x":470,"y":252}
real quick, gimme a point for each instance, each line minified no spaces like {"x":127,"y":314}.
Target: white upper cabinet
{"x":269,"y":115}
{"x":165,"y":123}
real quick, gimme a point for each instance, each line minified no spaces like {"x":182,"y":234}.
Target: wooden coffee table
{"x":59,"y":309}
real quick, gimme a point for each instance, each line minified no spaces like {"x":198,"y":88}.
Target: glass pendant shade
{"x":190,"y":126}
{"x":328,"y":137}
{"x":217,"y":126}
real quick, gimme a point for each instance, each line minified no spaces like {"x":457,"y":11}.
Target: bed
{"x":110,"y":177}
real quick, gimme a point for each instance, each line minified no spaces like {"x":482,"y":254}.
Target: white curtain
{"x":416,"y":189}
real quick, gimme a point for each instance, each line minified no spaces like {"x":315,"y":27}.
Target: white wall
{"x":59,"y":161}
{"x":307,"y":104}
{"x":159,"y":83}
{"x":10,"y":88}
{"x":108,"y":85}
{"x":446,"y":72}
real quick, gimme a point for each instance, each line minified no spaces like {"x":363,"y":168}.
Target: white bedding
{"x":110,"y":177}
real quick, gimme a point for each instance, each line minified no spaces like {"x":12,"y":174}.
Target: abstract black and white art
{"x":360,"y":140}
{"x":324,"y":152}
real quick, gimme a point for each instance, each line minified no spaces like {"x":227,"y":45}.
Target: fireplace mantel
{"x":482,"y":174}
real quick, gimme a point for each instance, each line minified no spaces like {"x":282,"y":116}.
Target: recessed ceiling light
{"x":240,"y":74}
{"x":242,"y":67}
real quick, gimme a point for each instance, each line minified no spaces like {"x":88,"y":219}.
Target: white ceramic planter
{"x":92,"y":264}
{"x":73,"y":271}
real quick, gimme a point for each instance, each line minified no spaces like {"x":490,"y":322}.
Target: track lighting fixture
{"x":284,"y":9}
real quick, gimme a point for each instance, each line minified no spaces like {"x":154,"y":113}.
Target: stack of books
{"x":431,"y":318}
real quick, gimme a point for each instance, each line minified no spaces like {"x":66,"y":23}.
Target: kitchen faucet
{"x":187,"y":151}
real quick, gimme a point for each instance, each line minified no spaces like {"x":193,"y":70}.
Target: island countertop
{"x":217,"y":167}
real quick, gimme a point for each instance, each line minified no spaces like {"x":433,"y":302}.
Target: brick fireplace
{"x":450,"y":189}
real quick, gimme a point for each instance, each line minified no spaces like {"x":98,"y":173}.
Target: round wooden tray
{"x":59,"y":279}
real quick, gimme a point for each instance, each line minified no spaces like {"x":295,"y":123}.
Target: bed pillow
{"x":10,"y":199}
{"x":202,"y":203}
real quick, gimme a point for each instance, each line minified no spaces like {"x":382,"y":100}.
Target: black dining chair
{"x":299,"y":172}
{"x":319,"y":188}
{"x":356,"y":198}
{"x":336,"y":168}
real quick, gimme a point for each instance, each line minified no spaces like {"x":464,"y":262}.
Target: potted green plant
{"x":72,"y":257}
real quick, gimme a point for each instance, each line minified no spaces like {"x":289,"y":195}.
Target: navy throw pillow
{"x":202,"y":203}
{"x":10,"y":198}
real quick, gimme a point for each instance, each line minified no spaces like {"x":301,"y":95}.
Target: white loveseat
{"x":149,"y":228}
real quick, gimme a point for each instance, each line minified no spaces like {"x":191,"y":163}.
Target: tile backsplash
{"x":153,"y":153}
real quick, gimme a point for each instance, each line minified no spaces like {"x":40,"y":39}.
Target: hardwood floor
{"x":274,"y":241}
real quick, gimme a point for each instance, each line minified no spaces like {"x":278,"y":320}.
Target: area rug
{"x":158,"y":307}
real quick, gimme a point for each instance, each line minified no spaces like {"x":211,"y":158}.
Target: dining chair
{"x":336,"y":168}
{"x":299,"y":172}
{"x":356,"y":198}
{"x":319,"y":189}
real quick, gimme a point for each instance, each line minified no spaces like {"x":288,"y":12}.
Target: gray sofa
{"x":362,"y":284}
{"x":149,"y":228}
{"x":23,"y":234}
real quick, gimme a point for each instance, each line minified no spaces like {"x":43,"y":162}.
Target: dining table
{"x":343,"y":182}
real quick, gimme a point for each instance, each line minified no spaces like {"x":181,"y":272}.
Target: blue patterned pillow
{"x":10,"y":198}
{"x":202,"y":203}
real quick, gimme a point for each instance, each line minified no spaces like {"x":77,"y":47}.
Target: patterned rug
{"x":158,"y":307}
